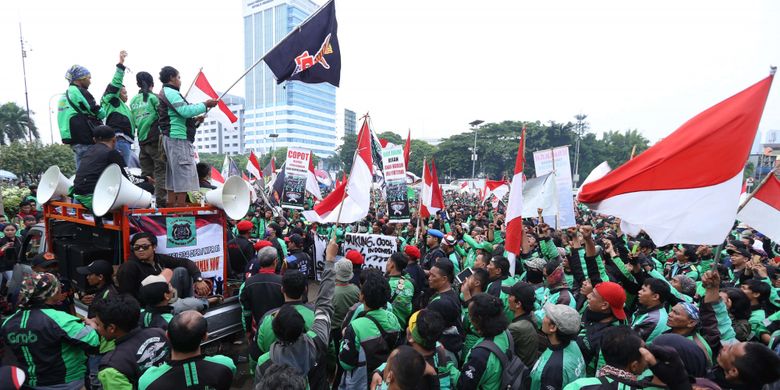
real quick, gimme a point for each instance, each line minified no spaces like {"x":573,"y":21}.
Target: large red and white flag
{"x":514,"y":217}
{"x":311,"y":181}
{"x":497,"y":188}
{"x":253,"y":166}
{"x":432,"y":199}
{"x":685,"y":188}
{"x":201,"y":90}
{"x":350,"y":201}
{"x":216,"y":177}
{"x":762,"y":211}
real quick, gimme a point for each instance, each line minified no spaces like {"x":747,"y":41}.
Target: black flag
{"x":311,"y":52}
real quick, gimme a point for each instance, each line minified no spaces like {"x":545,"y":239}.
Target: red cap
{"x":355,"y":257}
{"x":244,"y":226}
{"x":262,"y":244}
{"x":614,"y":294}
{"x":412,"y":252}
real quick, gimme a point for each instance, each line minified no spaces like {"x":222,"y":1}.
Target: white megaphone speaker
{"x":53,"y":185}
{"x":113,"y":191}
{"x":232,"y":197}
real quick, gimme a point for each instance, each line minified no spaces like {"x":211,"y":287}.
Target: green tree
{"x":15,"y":125}
{"x":346,"y":151}
{"x":30,"y":160}
{"x":391,"y":137}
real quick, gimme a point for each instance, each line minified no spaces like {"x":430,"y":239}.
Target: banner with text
{"x":375,"y":248}
{"x":198,"y":238}
{"x":395,"y":190}
{"x":296,"y":171}
{"x":320,"y":243}
{"x":557,"y":159}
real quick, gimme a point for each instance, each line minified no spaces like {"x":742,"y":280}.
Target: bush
{"x":12,"y":197}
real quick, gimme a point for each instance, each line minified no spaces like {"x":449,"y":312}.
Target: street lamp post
{"x":51,"y":127}
{"x":474,"y":125}
{"x":273,"y":136}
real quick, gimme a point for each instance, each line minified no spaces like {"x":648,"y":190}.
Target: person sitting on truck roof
{"x":204,"y":181}
{"x":241,"y":251}
{"x":259,"y":294}
{"x":49,"y":345}
{"x":183,"y":274}
{"x":97,"y":158}
{"x":156,"y":294}
{"x":188,"y":366}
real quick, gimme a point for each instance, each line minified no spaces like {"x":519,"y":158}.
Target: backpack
{"x":379,"y":355}
{"x":514,"y":374}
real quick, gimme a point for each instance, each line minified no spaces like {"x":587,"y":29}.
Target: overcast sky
{"x":433,"y":66}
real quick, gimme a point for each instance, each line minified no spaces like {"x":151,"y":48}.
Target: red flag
{"x":437,"y":199}
{"x":514,"y":218}
{"x":216,"y":176}
{"x":201,"y":90}
{"x":408,"y":148}
{"x":499,"y":188}
{"x":311,"y":180}
{"x":253,"y":166}
{"x":685,"y":188}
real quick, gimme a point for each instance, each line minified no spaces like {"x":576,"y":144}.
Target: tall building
{"x":350,"y":121}
{"x":213,"y":137}
{"x":303,"y":115}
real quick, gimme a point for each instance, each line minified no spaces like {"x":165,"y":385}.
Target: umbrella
{"x":7,"y":175}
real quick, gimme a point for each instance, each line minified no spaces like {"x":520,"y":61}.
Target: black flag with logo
{"x":311,"y":52}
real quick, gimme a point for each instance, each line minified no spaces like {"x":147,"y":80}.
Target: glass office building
{"x":303,"y":115}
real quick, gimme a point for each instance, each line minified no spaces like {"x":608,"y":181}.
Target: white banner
{"x":540,"y":193}
{"x":557,"y":159}
{"x":295,"y":174}
{"x":375,"y":248}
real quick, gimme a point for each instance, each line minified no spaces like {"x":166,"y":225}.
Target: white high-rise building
{"x":213,"y":137}
{"x":302,"y":115}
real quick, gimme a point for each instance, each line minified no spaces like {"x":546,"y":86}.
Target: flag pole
{"x":419,"y":202}
{"x":344,"y":195}
{"x":296,"y":28}
{"x":193,"y":81}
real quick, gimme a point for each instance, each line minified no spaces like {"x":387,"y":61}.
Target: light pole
{"x":474,"y":125}
{"x":51,"y":127}
{"x":273,"y":136}
{"x":582,"y":126}
{"x":24,"y":74}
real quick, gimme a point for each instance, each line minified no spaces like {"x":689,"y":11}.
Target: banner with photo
{"x":375,"y":248}
{"x":198,"y":238}
{"x":396,"y":195}
{"x":296,"y":171}
{"x":320,"y":243}
{"x":557,"y":159}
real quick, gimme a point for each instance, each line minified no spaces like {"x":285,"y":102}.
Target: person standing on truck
{"x":49,"y":345}
{"x":183,"y":274}
{"x":177,"y":126}
{"x":77,"y":112}
{"x":118,"y":116}
{"x":143,"y":108}
{"x":97,"y":158}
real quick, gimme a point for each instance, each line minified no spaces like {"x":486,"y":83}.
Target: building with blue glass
{"x":302,"y":115}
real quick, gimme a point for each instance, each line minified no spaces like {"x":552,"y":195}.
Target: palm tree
{"x":15,"y":124}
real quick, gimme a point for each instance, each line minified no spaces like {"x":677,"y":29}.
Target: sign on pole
{"x":557,"y":159}
{"x":396,"y":195}
{"x":296,"y":171}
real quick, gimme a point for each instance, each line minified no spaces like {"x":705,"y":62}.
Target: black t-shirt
{"x":448,"y":305}
{"x":240,"y":253}
{"x":95,"y":160}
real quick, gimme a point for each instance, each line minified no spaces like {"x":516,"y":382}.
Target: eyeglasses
{"x":141,"y":247}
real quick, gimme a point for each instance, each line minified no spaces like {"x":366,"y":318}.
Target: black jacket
{"x":133,"y":271}
{"x":9,"y":257}
{"x":97,"y":158}
{"x":135,"y":352}
{"x":240,"y":253}
{"x":259,"y":294}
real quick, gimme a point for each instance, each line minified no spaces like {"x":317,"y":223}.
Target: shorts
{"x":180,"y":172}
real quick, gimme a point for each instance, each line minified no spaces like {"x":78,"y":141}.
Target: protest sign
{"x":375,"y":248}
{"x":557,"y":159}
{"x":296,"y":171}
{"x":395,"y":189}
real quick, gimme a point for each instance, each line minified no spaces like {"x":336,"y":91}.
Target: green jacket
{"x":77,"y":113}
{"x":175,"y":114}
{"x":650,"y":323}
{"x":144,"y":114}
{"x":601,"y":382}
{"x":265,"y":332}
{"x":558,"y":366}
{"x":482,"y":369}
{"x":362,"y":338}
{"x":401,"y":293}
{"x":118,"y":115}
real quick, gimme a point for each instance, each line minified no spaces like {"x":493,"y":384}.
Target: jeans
{"x":124,"y":147}
{"x":93,"y":366}
{"x":182,"y":282}
{"x":79,"y":150}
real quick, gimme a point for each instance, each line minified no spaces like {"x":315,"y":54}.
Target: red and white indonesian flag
{"x":497,"y":188}
{"x":352,"y":198}
{"x":201,"y":91}
{"x":216,"y":177}
{"x":685,"y":188}
{"x":597,"y":173}
{"x":762,"y":211}
{"x":253,"y":166}
{"x":514,"y":217}
{"x":311,"y":181}
{"x":432,"y":200}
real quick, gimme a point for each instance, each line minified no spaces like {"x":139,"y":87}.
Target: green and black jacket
{"x":176,"y":114}
{"x":363,"y":347}
{"x":481,"y":369}
{"x":118,"y":115}
{"x":51,"y":346}
{"x":143,"y":108}
{"x":611,"y":383}
{"x":650,"y":323}
{"x":135,"y":352}
{"x":401,"y":295}
{"x":558,"y":366}
{"x":200,"y":372}
{"x":77,"y":114}
{"x":156,"y":317}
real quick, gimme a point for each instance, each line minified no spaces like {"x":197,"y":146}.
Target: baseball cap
{"x":99,"y":267}
{"x":297,"y":240}
{"x":521,"y":291}
{"x":614,"y":294}
{"x":566,"y":318}
{"x":355,"y":257}
{"x":43,"y":260}
{"x":244,"y":226}
{"x":450,"y":240}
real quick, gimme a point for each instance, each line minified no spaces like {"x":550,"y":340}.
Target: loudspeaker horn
{"x":113,"y":190}
{"x":232,"y":197}
{"x":53,"y":184}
